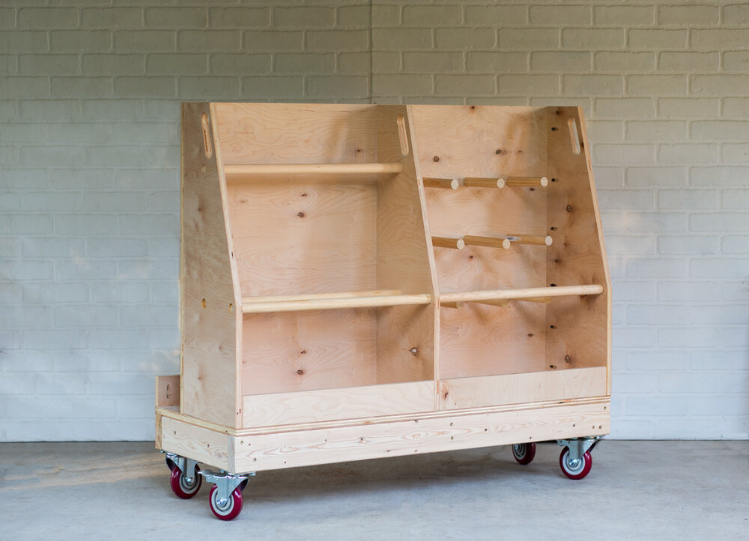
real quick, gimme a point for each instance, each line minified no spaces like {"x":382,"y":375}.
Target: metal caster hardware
{"x":524,"y":453}
{"x":185,"y":481}
{"x":575,"y":459}
{"x":226,"y":495}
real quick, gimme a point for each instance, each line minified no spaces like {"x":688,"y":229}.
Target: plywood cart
{"x":364,"y":281}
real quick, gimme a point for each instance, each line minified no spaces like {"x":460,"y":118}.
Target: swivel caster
{"x":575,"y":459}
{"x":226,"y":495}
{"x":185,"y":479}
{"x":524,"y":453}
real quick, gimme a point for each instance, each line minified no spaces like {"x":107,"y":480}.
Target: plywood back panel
{"x":476,"y":141}
{"x":581,"y":335}
{"x":207,"y":298}
{"x":292,"y":133}
{"x":295,"y":236}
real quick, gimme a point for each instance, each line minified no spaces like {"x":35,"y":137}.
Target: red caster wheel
{"x":228,"y":509}
{"x":575,"y":469}
{"x":182,"y":486}
{"x":524,"y":453}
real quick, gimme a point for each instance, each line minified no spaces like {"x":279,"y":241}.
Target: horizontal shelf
{"x":331,"y":301}
{"x":312,"y":169}
{"x":527,"y":293}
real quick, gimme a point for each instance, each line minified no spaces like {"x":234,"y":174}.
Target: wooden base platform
{"x":253,"y":450}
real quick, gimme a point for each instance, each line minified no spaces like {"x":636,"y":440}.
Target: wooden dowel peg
{"x":445,"y":242}
{"x":318,"y":296}
{"x":445,"y":184}
{"x":457,"y":305}
{"x":490,"y":242}
{"x":500,"y":302}
{"x":526,"y":182}
{"x":477,"y":182}
{"x":526,"y":293}
{"x":538,"y":240}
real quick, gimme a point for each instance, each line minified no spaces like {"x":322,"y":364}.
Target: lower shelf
{"x":337,"y":404}
{"x":245,"y":451}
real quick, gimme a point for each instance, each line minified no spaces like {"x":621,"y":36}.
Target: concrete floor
{"x":636,"y":490}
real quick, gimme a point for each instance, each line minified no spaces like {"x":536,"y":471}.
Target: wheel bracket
{"x":186,"y":465}
{"x":579,"y":446}
{"x":225,"y":483}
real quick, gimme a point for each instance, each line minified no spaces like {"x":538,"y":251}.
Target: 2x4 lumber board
{"x":424,"y":435}
{"x":312,"y":168}
{"x":198,"y":443}
{"x":336,"y":304}
{"x":167,"y":391}
{"x":335,"y":404}
{"x":315,"y":296}
{"x":527,"y":293}
{"x":474,"y":392}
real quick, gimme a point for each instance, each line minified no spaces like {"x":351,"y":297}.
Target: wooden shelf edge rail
{"x":331,"y":302}
{"x":515,"y":294}
{"x":481,"y":182}
{"x":311,"y":168}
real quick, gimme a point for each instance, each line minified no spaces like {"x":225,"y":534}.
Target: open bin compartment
{"x":524,"y":351}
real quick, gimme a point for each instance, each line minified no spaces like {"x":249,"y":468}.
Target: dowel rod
{"x":526,"y":182}
{"x":333,"y":304}
{"x":491,"y":242}
{"x":477,"y":182}
{"x":312,"y":168}
{"x":314,"y":296}
{"x":561,"y":291}
{"x":457,"y":305}
{"x":444,"y":242}
{"x":445,"y":184}
{"x":538,"y":240}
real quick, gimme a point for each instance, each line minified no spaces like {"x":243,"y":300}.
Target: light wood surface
{"x":315,"y":296}
{"x":459,"y":431}
{"x":297,"y":133}
{"x":582,"y":330}
{"x":333,"y":404}
{"x":525,"y":293}
{"x":264,"y":170}
{"x":335,"y":303}
{"x":476,"y":392}
{"x":209,"y":332}
{"x":167,"y":390}
{"x":208,"y":447}
{"x":405,"y":334}
{"x":444,"y":242}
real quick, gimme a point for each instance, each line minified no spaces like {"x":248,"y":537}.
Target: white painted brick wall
{"x":89,"y":158}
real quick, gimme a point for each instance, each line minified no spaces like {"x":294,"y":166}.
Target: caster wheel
{"x":181,"y":486}
{"x":170,"y":464}
{"x":575,"y":469}
{"x":524,"y":453}
{"x":229,"y":509}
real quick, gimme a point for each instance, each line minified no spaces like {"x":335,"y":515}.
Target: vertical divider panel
{"x":579,"y":334}
{"x":208,"y":300}
{"x":405,"y":334}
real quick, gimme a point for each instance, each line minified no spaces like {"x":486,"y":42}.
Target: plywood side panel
{"x":207,"y":298}
{"x":466,"y":393}
{"x":304,"y":351}
{"x":294,"y":133}
{"x":405,"y":335}
{"x":476,"y":141}
{"x":325,"y":446}
{"x":295,"y":236}
{"x":581,"y":333}
{"x":333,"y":404}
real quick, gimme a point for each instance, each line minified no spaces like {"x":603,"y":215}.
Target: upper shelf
{"x":528,"y":293}
{"x":250,"y":170}
{"x":331,"y":301}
